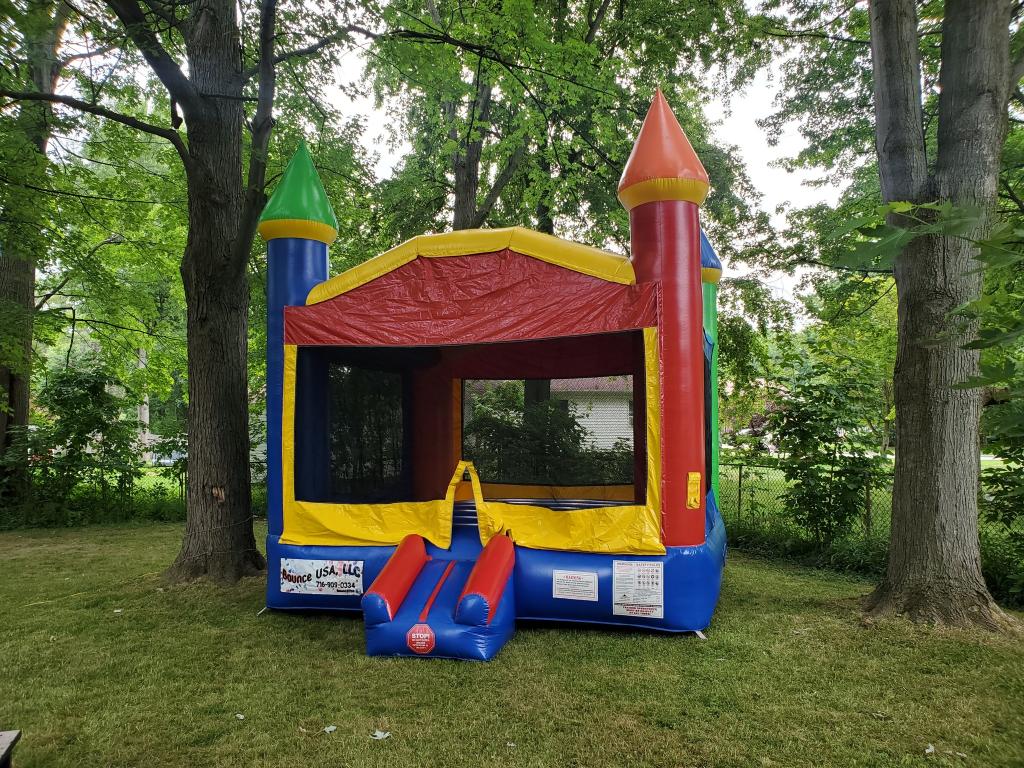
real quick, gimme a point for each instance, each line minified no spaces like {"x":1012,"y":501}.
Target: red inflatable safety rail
{"x":385,"y":596}
{"x":486,"y":583}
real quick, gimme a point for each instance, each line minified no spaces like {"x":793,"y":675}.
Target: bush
{"x":826,"y":454}
{"x":80,"y":461}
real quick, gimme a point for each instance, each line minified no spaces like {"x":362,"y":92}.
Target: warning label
{"x":420,"y":639}
{"x":638,"y":589}
{"x":322,"y":577}
{"x":574,"y":585}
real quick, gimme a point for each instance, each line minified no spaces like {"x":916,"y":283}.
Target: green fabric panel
{"x":300,"y":194}
{"x":711,"y":327}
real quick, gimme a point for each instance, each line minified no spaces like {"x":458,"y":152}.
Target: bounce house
{"x":435,"y":456}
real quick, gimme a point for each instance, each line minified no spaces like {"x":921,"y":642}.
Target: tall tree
{"x":36,"y":39}
{"x":934,"y":567}
{"x":197,"y":52}
{"x":527,"y":117}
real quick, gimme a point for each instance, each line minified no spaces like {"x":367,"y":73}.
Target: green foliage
{"x":541,"y":442}
{"x":83,"y":440}
{"x":754,"y":327}
{"x":827,"y":459}
{"x":530,"y":109}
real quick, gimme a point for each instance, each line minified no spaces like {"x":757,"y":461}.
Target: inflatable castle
{"x":435,"y":456}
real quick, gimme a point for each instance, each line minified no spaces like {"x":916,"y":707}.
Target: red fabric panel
{"x":432,"y":459}
{"x":665,"y":246}
{"x":569,"y":357}
{"x":489,"y":297}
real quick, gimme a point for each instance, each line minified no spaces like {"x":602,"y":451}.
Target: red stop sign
{"x":420,"y":638}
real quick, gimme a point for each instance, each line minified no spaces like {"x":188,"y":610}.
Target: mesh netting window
{"x":550,"y":431}
{"x":367,"y":461}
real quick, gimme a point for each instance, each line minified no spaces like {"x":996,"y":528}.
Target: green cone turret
{"x":299,"y":206}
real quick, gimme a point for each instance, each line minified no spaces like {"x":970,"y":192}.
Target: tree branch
{"x":87,"y":55}
{"x":785,"y":33}
{"x":261,"y":127}
{"x":595,"y":23}
{"x":826,"y":265}
{"x":114,"y":239}
{"x":177,"y":84}
{"x":311,"y":49}
{"x":500,"y":182}
{"x":101,"y":111}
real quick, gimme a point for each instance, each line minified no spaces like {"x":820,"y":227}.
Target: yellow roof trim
{"x":655,"y":190}
{"x":554,"y":250}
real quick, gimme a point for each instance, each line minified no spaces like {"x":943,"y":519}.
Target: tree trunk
{"x":219,"y":541}
{"x":43,"y":30}
{"x":466,"y":160}
{"x":934,"y":566}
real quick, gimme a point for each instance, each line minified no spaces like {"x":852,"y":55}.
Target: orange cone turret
{"x":662,"y":187}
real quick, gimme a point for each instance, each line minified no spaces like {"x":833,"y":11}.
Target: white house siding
{"x":605,"y":415}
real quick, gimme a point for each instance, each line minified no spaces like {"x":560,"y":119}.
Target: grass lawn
{"x":102,"y":664}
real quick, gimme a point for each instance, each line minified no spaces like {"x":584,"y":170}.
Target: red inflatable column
{"x":662,"y":187}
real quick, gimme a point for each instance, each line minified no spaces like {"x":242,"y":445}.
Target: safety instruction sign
{"x":638,"y":589}
{"x":574,"y":585}
{"x":322,"y":577}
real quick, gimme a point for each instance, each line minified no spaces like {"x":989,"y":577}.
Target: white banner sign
{"x":638,"y":588}
{"x":322,"y":577}
{"x":574,"y":585}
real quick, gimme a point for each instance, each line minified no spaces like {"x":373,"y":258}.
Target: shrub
{"x":827,"y":461}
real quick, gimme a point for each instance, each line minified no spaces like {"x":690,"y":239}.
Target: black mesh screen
{"x":550,"y":431}
{"x":366,"y":448}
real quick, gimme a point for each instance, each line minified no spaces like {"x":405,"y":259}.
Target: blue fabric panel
{"x":451,"y":640}
{"x":708,"y":257}
{"x":294,"y":266}
{"x":692,"y":581}
{"x":375,"y":609}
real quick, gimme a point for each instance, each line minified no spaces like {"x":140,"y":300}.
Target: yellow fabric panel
{"x":338,"y":525}
{"x":554,"y":250}
{"x":309,"y":230}
{"x":710,"y":275}
{"x":633,"y":529}
{"x":652,"y":394}
{"x":654,"y":190}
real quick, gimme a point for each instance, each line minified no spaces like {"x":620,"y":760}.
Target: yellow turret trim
{"x":710,"y":275}
{"x":467,"y":242}
{"x":299,"y":228}
{"x":655,"y":190}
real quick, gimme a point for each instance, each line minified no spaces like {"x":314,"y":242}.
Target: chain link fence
{"x":753,"y":498}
